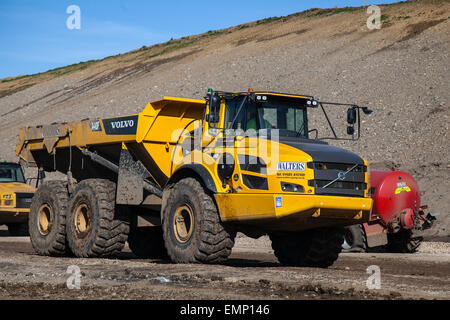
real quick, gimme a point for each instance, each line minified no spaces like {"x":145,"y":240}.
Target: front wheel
{"x":193,"y":232}
{"x":354,"y":239}
{"x":311,"y":248}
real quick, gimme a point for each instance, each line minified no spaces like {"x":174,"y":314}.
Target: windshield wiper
{"x":341,"y":176}
{"x":238,"y":111}
{"x":300,"y":130}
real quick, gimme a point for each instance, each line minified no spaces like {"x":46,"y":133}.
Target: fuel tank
{"x":395,"y":196}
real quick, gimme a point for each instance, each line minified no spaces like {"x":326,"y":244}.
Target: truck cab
{"x":15,"y":198}
{"x":267,"y":172}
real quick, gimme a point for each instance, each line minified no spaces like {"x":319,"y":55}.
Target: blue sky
{"x":34,"y":37}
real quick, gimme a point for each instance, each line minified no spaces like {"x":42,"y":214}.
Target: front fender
{"x":194,"y":170}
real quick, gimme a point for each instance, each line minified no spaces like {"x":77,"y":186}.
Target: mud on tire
{"x":96,"y":227}
{"x":47,"y":219}
{"x":193,"y":232}
{"x":312,"y":248}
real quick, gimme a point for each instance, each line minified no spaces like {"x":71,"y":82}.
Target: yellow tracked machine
{"x":183,"y":176}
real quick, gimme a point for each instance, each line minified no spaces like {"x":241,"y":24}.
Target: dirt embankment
{"x":400,"y":71}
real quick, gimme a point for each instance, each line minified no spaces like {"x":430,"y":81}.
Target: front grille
{"x":351,"y":184}
{"x":23,"y":199}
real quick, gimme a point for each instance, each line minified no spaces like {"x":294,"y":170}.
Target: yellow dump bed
{"x":152,"y":134}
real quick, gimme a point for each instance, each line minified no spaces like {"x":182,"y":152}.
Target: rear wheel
{"x":354,"y":239}
{"x":193,"y":232}
{"x":311,"y":248}
{"x":18,"y":229}
{"x":96,"y":227}
{"x":47,"y":219}
{"x":403,"y":242}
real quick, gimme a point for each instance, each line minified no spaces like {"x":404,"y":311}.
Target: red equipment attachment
{"x":394,"y":193}
{"x":396,"y":213}
{"x":396,"y":201}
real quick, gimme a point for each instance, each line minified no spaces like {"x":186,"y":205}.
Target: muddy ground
{"x":252,"y":272}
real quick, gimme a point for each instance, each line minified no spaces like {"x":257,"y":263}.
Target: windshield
{"x":11,"y":173}
{"x":286,"y":115}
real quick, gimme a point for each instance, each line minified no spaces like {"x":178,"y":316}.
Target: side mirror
{"x":351,"y":116}
{"x":350,"y":130}
{"x":366,"y":110}
{"x":214,"y":107}
{"x":213,"y":117}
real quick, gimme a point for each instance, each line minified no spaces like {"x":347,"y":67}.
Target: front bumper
{"x":290,"y":212}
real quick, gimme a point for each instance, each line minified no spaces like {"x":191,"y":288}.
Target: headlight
{"x":6,"y":196}
{"x":290,"y":187}
{"x":313,"y":103}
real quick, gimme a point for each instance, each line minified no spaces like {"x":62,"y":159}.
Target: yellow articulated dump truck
{"x":15,"y":198}
{"x":182,"y":177}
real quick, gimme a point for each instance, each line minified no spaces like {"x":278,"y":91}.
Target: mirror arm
{"x":328,"y":120}
{"x":359,"y":124}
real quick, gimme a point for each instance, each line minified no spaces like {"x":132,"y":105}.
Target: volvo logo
{"x":341,"y":175}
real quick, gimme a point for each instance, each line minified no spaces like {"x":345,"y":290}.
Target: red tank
{"x":395,"y":197}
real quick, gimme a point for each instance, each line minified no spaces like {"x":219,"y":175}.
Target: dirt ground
{"x":252,"y":272}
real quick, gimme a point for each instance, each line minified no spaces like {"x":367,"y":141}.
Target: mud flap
{"x":130,"y":182}
{"x":375,"y":235}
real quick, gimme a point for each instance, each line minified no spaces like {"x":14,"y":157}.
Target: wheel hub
{"x":82,"y":220}
{"x":45,"y":220}
{"x":183,"y":223}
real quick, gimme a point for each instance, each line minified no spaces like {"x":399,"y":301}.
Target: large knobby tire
{"x":96,"y":227}
{"x":47,"y":219}
{"x":403,"y":242}
{"x":18,"y":229}
{"x":193,"y":232}
{"x":355,"y":239}
{"x":312,"y":248}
